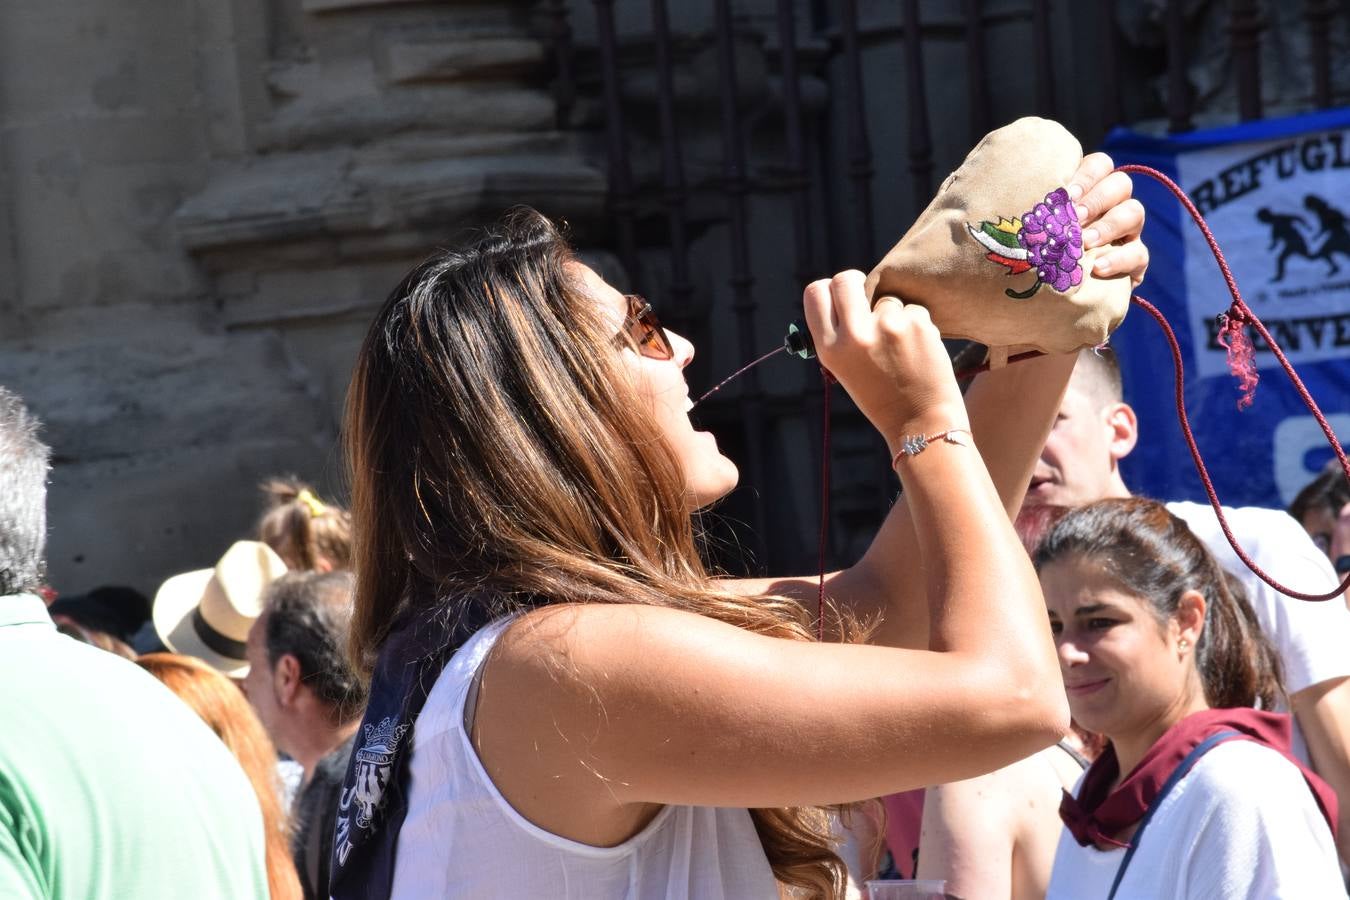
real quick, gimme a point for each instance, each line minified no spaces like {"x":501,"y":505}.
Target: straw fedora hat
{"x":207,"y":613}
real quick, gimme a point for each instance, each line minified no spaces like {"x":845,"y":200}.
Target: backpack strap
{"x":1178,"y":773}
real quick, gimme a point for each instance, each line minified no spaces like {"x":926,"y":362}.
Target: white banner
{"x":1281,"y":214}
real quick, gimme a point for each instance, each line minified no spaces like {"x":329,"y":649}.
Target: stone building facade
{"x":203,"y":201}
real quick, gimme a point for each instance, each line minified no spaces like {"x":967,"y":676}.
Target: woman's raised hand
{"x":1109,"y":215}
{"x":890,"y":358}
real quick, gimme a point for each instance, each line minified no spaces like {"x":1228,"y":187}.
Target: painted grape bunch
{"x":1046,"y":238}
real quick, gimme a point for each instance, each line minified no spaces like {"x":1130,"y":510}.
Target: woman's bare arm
{"x":1010,"y":411}
{"x":995,"y":835}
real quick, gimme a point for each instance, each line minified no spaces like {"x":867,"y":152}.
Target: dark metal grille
{"x":754,"y":146}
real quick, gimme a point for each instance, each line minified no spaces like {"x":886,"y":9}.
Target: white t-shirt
{"x":1242,"y":824}
{"x":1311,"y":638}
{"x":461,"y":839}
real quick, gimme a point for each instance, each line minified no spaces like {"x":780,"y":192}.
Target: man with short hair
{"x":1094,"y":431}
{"x":110,"y":786}
{"x":309,"y":699}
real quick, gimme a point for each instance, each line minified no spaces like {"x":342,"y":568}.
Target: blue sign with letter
{"x":1276,"y":194}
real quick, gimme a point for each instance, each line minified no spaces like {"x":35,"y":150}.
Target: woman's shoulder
{"x":1252,"y":826}
{"x":1245,"y":779}
{"x":577,"y":655}
{"x":579,"y":632}
{"x":1240,"y":761}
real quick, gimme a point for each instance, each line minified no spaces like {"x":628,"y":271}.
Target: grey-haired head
{"x":24,"y":463}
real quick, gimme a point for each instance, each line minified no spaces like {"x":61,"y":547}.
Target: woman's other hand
{"x":889,"y":357}
{"x":1110,"y":217}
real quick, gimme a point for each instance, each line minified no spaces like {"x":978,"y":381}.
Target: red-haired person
{"x":223,"y":706}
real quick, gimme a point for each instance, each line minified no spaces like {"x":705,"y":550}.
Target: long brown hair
{"x":1153,"y":555}
{"x":223,"y":706}
{"x":500,"y":460}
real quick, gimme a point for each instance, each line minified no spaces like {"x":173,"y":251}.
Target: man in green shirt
{"x":110,"y":786}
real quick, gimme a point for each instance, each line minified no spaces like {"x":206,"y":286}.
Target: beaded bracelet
{"x":914,"y":444}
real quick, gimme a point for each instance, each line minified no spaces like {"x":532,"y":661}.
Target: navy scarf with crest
{"x":374,"y":797}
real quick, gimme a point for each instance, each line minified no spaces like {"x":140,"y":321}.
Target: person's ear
{"x":1124,"y":426}
{"x":1190,"y":621}
{"x":286,"y":679}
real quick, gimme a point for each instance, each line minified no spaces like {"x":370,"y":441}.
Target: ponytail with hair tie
{"x":308,"y":534}
{"x":312,"y":503}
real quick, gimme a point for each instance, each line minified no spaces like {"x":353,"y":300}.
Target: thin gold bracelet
{"x":914,"y":444}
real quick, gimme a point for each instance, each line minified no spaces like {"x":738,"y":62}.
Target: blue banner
{"x":1276,"y":194}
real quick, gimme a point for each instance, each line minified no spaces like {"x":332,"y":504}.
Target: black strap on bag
{"x":1178,"y":773}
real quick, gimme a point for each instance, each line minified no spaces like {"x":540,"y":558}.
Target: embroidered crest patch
{"x":374,"y":760}
{"x":1046,"y":238}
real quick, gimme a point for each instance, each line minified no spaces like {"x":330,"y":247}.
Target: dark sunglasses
{"x":643,"y":328}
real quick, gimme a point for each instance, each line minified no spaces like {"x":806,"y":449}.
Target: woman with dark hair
{"x":564,"y":701}
{"x":1161,"y":652}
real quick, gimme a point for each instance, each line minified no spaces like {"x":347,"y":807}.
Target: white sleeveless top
{"x":461,"y":839}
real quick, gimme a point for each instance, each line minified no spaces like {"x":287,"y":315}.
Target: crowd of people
{"x":243,"y":792}
{"x":507,"y":671}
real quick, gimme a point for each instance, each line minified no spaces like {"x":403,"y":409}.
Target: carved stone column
{"x":202,"y":204}
{"x":387,"y":124}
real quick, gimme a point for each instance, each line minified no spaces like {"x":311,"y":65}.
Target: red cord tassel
{"x":1241,"y":353}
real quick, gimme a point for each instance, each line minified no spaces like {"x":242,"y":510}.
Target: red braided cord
{"x":1200,"y":463}
{"x":1246,"y":314}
